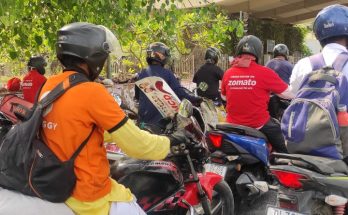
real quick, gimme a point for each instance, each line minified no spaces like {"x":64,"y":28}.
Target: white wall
{"x":312,"y":43}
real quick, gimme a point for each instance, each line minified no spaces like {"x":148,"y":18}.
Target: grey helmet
{"x":250,"y":45}
{"x":281,"y":50}
{"x":89,"y":42}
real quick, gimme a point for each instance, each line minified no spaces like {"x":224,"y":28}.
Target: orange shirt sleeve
{"x":104,"y":109}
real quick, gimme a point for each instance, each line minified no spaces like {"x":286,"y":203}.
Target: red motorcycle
{"x":179,"y":184}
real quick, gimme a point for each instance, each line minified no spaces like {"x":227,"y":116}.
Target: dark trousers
{"x":273,"y":106}
{"x":274,"y":134}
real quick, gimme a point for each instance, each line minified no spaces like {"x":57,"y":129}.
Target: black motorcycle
{"x":310,"y":185}
{"x":179,"y":184}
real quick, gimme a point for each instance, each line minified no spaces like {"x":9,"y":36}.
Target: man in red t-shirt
{"x":247,"y":86}
{"x":34,"y":79}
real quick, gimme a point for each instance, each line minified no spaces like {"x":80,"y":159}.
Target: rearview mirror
{"x":117,"y":98}
{"x":185,"y":108}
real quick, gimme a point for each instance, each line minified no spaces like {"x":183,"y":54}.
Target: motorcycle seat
{"x":321,"y":165}
{"x":241,"y":129}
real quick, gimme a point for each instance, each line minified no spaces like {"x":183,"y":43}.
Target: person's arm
{"x":177,"y":88}
{"x":140,"y":144}
{"x":300,"y":70}
{"x":220,"y":73}
{"x":223,"y":85}
{"x":277,"y":85}
{"x":343,"y":89}
{"x":287,"y":94}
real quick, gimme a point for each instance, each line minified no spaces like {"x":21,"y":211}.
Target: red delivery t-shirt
{"x":247,"y":91}
{"x":32,"y":82}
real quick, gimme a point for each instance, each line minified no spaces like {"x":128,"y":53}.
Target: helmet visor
{"x":112,"y":43}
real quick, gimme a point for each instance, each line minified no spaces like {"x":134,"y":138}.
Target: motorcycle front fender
{"x":208,"y":181}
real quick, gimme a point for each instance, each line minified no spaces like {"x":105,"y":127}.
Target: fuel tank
{"x":150,"y":181}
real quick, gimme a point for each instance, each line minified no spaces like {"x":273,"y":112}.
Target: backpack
{"x":27,"y":164}
{"x":14,"y":108}
{"x":310,"y":124}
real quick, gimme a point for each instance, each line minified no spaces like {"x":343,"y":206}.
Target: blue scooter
{"x":240,"y":154}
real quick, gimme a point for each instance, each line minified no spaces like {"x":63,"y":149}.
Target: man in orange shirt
{"x":84,"y":48}
{"x":34,"y":79}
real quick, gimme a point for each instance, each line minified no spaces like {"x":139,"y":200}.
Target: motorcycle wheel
{"x":222,"y":202}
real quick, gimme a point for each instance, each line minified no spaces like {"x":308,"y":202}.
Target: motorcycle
{"x":310,"y":185}
{"x":240,"y":154}
{"x":177,"y":185}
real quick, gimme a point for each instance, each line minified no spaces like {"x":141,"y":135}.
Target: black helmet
{"x":37,"y":62}
{"x":158,"y":52}
{"x":250,"y":45}
{"x":88,"y":42}
{"x":212,"y":55}
{"x":281,"y":50}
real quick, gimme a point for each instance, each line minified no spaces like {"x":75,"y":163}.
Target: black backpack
{"x":28,"y":165}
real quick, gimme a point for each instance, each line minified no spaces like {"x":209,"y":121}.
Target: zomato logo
{"x":246,"y":82}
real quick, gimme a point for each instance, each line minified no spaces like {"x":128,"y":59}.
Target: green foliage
{"x":292,"y":36}
{"x":29,"y":27}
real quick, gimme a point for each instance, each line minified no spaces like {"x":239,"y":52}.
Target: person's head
{"x":38,"y":63}
{"x":281,"y":50}
{"x":85,"y":46}
{"x":331,"y":25}
{"x":212,"y":55}
{"x":157,"y":53}
{"x":251,"y":45}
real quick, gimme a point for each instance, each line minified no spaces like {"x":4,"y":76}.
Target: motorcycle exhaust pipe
{"x":338,"y":203}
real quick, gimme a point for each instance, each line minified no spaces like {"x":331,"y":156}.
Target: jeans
{"x":274,"y":135}
{"x":15,"y":203}
{"x":130,"y":208}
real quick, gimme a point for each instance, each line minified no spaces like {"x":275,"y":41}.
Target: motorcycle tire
{"x":222,"y":193}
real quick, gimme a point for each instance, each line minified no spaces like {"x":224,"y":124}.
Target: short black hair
{"x":70,"y":61}
{"x":334,"y":39}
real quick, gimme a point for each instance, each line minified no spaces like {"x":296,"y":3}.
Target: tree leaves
{"x":31,"y":25}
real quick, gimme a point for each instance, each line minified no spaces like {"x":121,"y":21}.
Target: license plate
{"x":215,"y":168}
{"x":279,"y":211}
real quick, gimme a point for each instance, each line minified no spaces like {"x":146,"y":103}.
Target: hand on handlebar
{"x":178,"y":141}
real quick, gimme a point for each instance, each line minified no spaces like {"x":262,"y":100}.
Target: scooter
{"x":240,"y":154}
{"x":310,"y":185}
{"x":179,"y":184}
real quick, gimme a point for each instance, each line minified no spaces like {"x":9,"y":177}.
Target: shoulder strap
{"x":60,"y":89}
{"x":39,"y":91}
{"x":317,"y":61}
{"x":79,"y":149}
{"x":340,"y":61}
